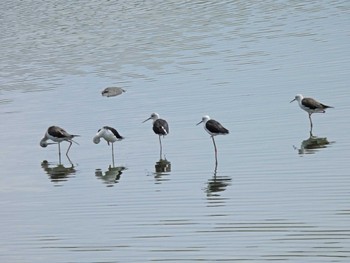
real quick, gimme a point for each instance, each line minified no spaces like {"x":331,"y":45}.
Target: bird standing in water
{"x":110,"y":134}
{"x":58,"y":135}
{"x":214,"y":128}
{"x":311,"y":106}
{"x":160,"y":127}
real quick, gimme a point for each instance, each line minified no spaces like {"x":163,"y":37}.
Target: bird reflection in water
{"x":111,"y":176}
{"x":162,"y":168}
{"x":217,"y":184}
{"x":58,"y":173}
{"x":312,"y":144}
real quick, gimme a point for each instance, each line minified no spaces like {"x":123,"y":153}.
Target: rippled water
{"x":277,"y":193}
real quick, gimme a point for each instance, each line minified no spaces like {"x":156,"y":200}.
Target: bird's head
{"x":154,"y":116}
{"x":44,"y":143}
{"x":204,"y":119}
{"x":97,"y":137}
{"x":297,"y":97}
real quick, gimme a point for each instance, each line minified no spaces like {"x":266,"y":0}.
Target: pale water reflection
{"x":162,"y":170}
{"x":313,"y":144}
{"x":217,"y":184}
{"x":58,"y":172}
{"x":111,"y":176}
{"x":162,"y":166}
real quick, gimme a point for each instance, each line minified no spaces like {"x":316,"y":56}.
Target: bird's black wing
{"x":311,"y":103}
{"x":215,"y":127}
{"x":115,"y":132}
{"x":58,"y":132}
{"x":161,"y":127}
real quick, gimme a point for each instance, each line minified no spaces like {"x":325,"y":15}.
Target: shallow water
{"x":276,"y":194}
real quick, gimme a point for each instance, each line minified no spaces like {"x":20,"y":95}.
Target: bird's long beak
{"x":292,"y":100}
{"x":199,"y":122}
{"x":147,"y":119}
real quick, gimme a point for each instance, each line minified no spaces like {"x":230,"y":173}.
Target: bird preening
{"x":160,"y":127}
{"x":311,"y":106}
{"x":110,"y":134}
{"x":57,"y":135}
{"x":214,"y":128}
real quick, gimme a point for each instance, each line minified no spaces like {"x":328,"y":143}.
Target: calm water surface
{"x":276,"y":194}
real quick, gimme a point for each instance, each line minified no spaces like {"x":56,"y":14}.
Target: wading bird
{"x":110,"y":134}
{"x":214,"y":128}
{"x":58,"y":135}
{"x":160,"y":127}
{"x":310,"y":105}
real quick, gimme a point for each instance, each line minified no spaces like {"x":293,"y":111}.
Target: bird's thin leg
{"x":113,"y":154}
{"x":70,"y":161}
{"x":161,"y":148}
{"x":216,"y":151}
{"x":70,"y":144}
{"x":215,"y":169}
{"x":311,"y":125}
{"x":59,"y":152}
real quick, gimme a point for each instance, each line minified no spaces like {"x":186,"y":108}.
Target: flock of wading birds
{"x":161,"y":127}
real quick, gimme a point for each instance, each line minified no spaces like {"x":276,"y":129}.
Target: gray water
{"x":275,"y":195}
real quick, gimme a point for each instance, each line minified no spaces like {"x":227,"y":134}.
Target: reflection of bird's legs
{"x":113,"y":154}
{"x":161,"y":148}
{"x":216,"y":151}
{"x":215,"y":169}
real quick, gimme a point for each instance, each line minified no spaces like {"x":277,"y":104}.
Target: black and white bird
{"x":214,"y":128}
{"x":160,"y":127}
{"x":311,"y":106}
{"x":58,"y":135}
{"x":110,"y":134}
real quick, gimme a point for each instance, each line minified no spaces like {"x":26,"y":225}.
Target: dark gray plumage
{"x":160,"y":127}
{"x":58,"y":135}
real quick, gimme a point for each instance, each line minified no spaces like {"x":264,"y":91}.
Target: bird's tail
{"x":326,"y":106}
